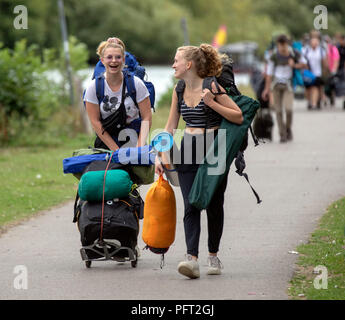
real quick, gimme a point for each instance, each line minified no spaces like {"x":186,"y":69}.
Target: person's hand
{"x":291,"y":62}
{"x":207,"y":96}
{"x":158,"y":167}
{"x":265,"y":95}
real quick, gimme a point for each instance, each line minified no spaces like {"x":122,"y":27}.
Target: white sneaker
{"x":214,"y":265}
{"x":189,"y":268}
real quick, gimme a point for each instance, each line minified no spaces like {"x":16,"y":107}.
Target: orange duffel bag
{"x":159,"y":217}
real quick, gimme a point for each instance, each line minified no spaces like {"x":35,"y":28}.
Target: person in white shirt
{"x":279,"y":79}
{"x":316,"y":56}
{"x":112,"y":55}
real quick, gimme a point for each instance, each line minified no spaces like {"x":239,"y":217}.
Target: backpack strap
{"x":131,"y":91}
{"x":207,"y":84}
{"x":100,"y":88}
{"x":240,"y":166}
{"x":181,"y":85}
{"x":99,"y":69}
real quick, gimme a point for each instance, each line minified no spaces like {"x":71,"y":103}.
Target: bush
{"x":25,"y":94}
{"x":34,"y":95}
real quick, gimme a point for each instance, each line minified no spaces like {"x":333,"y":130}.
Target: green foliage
{"x":151,"y":29}
{"x":29,"y":95}
{"x":79,"y":55}
{"x":298,"y":18}
{"x":25,"y":93}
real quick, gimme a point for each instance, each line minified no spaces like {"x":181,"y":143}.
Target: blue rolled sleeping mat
{"x":141,"y":156}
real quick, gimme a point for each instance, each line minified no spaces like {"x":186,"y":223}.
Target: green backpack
{"x":117,"y":185}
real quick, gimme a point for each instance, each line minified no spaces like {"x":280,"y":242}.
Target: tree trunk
{"x":86,"y":124}
{"x":3,"y":124}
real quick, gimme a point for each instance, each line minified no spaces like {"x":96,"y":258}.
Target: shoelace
{"x":215,"y":262}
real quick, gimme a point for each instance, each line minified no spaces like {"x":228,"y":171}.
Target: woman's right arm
{"x":172,"y":123}
{"x":94,"y":116}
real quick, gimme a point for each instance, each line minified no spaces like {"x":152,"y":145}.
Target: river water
{"x":160,"y":76}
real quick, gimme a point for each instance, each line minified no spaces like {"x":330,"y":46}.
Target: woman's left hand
{"x":207,"y":96}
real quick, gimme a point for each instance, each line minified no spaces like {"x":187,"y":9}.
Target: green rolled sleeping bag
{"x":118,"y":184}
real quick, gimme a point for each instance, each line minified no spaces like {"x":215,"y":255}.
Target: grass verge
{"x":326,"y":247}
{"x":32,"y":179}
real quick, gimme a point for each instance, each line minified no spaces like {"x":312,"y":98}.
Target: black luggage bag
{"x":115,"y":236}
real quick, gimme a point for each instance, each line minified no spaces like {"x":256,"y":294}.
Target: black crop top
{"x":200,"y":116}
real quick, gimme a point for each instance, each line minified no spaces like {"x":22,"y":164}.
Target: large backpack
{"x":133,"y":68}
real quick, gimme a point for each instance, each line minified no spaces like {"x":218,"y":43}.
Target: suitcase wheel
{"x":134,"y":262}
{"x":88,"y":264}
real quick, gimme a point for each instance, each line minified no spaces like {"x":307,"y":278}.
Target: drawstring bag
{"x":159,"y":217}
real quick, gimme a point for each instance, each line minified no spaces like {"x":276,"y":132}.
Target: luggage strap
{"x":75,"y":217}
{"x":105,"y":174}
{"x":240,"y":166}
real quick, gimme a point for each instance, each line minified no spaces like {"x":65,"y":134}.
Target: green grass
{"x":325,"y":247}
{"x":32,"y":179}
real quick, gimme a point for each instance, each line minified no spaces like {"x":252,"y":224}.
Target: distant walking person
{"x":316,"y":57}
{"x":279,"y":79}
{"x":341,"y":67}
{"x":333,"y":58}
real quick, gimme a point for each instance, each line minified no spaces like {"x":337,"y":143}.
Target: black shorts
{"x":318,"y":83}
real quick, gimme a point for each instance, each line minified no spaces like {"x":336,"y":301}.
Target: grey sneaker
{"x":189,"y":268}
{"x":214,"y":265}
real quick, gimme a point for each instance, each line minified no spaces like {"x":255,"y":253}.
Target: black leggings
{"x":191,"y":220}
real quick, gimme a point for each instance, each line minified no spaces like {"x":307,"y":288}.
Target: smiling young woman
{"x":112,"y":55}
{"x":202,"y":111}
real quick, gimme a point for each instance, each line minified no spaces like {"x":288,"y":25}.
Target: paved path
{"x":296,"y":182}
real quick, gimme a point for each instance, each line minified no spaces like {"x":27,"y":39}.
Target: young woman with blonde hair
{"x":116,"y":99}
{"x":202,"y":111}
